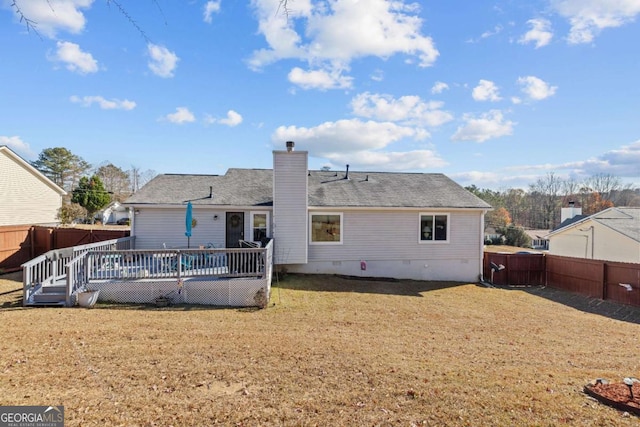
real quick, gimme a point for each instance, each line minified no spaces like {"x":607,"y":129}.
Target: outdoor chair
{"x":217,"y":259}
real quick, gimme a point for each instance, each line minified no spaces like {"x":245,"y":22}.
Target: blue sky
{"x":491,"y":93}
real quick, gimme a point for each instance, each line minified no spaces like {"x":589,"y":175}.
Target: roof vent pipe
{"x":210,"y":192}
{"x":347,"y":174}
{"x":290,"y":145}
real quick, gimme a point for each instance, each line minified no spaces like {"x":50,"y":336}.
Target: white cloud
{"x":105,"y":104}
{"x":232,"y":119}
{"x":622,"y":162}
{"x":344,"y":136}
{"x":377,"y":75}
{"x":163,"y":61}
{"x":486,"y":91}
{"x":487,"y":34}
{"x":495,"y":31}
{"x":360,"y":144}
{"x":589,"y":17}
{"x":181,"y":116}
{"x":406,"y":109}
{"x":535,"y":88}
{"x":389,"y":161}
{"x":51,"y":17}
{"x":338,"y":32}
{"x":540,"y":33}
{"x":319,"y":79}
{"x":494,"y":179}
{"x":487,"y":126}
{"x":210,"y":8}
{"x":18,"y":145}
{"x":74,"y":58}
{"x":439,"y":87}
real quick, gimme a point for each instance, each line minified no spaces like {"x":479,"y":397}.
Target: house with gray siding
{"x":419,"y":226}
{"x":27,"y":197}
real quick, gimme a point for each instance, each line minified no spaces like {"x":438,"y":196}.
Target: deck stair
{"x":50,"y":295}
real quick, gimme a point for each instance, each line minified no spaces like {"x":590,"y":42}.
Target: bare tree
{"x":138,"y":178}
{"x":545,"y":192}
{"x":627,"y":196}
{"x":515,"y":201}
{"x":115,"y":180}
{"x":605,"y":184}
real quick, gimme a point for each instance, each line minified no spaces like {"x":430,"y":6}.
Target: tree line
{"x":89,"y":188}
{"x":539,"y":207}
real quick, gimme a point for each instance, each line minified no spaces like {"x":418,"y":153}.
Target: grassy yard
{"x":327,"y":351}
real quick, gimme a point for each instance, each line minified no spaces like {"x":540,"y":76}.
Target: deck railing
{"x":50,"y":267}
{"x":113,"y":260}
{"x":179,"y":263}
{"x":76,"y":276}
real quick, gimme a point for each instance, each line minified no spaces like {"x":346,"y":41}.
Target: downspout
{"x":586,"y":246}
{"x":481,"y":277}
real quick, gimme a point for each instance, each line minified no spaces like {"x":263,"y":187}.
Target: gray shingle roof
{"x":254,"y":187}
{"x":622,"y":219}
{"x":567,"y":222}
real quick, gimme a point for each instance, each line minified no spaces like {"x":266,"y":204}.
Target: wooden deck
{"x":237,"y":277}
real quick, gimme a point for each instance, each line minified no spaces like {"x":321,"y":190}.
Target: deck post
{"x":68,"y":281}
{"x":54,"y":268}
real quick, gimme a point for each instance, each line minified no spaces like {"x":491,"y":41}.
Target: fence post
{"x":32,"y":243}
{"x":179,"y":266}
{"x":604,"y":280}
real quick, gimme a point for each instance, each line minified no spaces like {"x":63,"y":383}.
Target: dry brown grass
{"x":327,"y":351}
{"x":509,"y":249}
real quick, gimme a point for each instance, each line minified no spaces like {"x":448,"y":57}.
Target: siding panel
{"x":290,"y":195}
{"x":153,"y":227}
{"x":25,"y":199}
{"x":393,"y":235}
{"x":387,"y":242}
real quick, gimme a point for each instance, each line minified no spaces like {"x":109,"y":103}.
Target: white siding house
{"x":610,"y":235}
{"x":113,"y":213}
{"x":26,"y":195}
{"x":373,"y":224}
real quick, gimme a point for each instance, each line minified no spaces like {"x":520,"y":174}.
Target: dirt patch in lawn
{"x":326,"y":351}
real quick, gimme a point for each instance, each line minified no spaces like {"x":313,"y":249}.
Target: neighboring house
{"x":538,"y":239}
{"x":402,"y":225}
{"x":26,"y":195}
{"x":611,"y":235}
{"x":113,"y":213}
{"x":492,"y":235}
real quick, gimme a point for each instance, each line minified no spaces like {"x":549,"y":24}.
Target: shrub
{"x":516,"y":236}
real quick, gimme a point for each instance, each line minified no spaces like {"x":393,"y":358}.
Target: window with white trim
{"x":259,"y":226}
{"x":434,"y":228}
{"x":325,"y":228}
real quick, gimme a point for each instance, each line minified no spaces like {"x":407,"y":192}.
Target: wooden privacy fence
{"x":519,"y":269}
{"x":614,"y":281}
{"x":15,"y":246}
{"x":19,"y":244}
